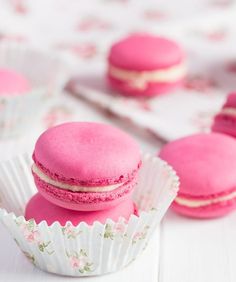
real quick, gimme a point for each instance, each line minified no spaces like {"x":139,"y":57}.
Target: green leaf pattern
{"x":32,"y":235}
{"x":115,"y":230}
{"x":140,"y":235}
{"x":30,"y":257}
{"x":70,"y":232}
{"x":79,"y":261}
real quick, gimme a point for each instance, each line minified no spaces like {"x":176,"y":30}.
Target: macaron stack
{"x":84,"y":172}
{"x":144,"y":65}
{"x":225,"y":120}
{"x":83,"y":220}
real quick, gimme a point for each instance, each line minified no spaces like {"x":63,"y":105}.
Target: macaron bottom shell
{"x":39,"y":209}
{"x":206,"y":212}
{"x":150,"y":90}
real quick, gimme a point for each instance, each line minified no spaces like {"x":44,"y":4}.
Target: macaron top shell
{"x":87,"y":153}
{"x":141,"y":52}
{"x":13,"y":83}
{"x":205,"y":163}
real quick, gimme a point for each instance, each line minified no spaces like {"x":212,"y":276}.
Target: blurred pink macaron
{"x":85,"y":166}
{"x":39,"y":209}
{"x":225,"y":120}
{"x":144,"y":65}
{"x":205,"y":164}
{"x":13,"y":83}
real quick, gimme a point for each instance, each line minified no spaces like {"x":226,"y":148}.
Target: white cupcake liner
{"x":85,"y":250}
{"x":47,"y":74}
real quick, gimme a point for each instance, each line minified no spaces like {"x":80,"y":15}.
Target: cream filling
{"x":201,"y":203}
{"x":74,"y":188}
{"x":229,"y":111}
{"x":140,"y":79}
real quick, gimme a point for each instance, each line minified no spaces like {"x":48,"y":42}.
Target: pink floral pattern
{"x":200,"y":83}
{"x":93,"y":23}
{"x":154,"y":15}
{"x":146,"y":200}
{"x":222,"y":3}
{"x":116,"y":230}
{"x":70,"y":232}
{"x":87,"y":50}
{"x":120,"y":228}
{"x":57,"y":114}
{"x":217,"y":35}
{"x":12,"y":37}
{"x":140,"y":235}
{"x":79,"y":261}
{"x":31,"y":234}
{"x":19,"y":6}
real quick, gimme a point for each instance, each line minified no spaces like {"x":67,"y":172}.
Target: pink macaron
{"x":13,"y":83}
{"x":225,"y":120}
{"x":85,"y":166}
{"x":205,"y":164}
{"x":39,"y":209}
{"x":143,"y":65}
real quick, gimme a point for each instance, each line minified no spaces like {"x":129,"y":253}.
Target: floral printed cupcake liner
{"x":47,"y":74}
{"x":85,"y":250}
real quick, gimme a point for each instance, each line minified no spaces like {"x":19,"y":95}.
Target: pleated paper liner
{"x":47,"y":74}
{"x":85,"y":250}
